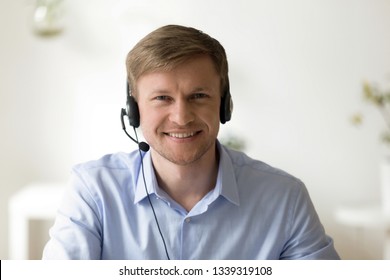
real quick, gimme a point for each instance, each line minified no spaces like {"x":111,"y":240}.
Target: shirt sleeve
{"x":307,"y":237}
{"x":76,"y":233}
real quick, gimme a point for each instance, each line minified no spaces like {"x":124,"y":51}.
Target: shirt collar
{"x":226,"y":185}
{"x":226,"y":180}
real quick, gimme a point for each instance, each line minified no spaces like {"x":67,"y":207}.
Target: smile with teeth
{"x":182,"y":135}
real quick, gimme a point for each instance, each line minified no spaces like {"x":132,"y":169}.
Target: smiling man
{"x":188,"y":196}
{"x":178,"y":109}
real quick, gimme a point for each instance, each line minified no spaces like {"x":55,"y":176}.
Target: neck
{"x":187,"y":184}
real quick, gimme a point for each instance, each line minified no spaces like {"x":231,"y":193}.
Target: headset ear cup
{"x":133,"y":111}
{"x":226,"y":109}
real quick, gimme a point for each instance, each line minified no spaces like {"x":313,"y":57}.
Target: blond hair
{"x":170,"y":45}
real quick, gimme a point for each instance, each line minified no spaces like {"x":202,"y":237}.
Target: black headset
{"x":132,"y":111}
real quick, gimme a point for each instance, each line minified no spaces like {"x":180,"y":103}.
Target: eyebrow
{"x":159,"y":91}
{"x":164,"y":91}
{"x":197,"y":89}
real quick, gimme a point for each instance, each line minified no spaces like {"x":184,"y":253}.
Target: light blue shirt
{"x":254,"y":212}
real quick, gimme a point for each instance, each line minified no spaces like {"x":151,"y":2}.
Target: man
{"x":188,"y":197}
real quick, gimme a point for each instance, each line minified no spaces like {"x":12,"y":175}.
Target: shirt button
{"x":188,"y":220}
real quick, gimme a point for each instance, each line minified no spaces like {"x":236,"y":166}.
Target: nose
{"x":182,"y":113}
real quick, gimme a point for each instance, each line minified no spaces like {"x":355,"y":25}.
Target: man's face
{"x":179,"y":111}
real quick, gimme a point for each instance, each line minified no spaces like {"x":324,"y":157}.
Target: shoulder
{"x":253,"y":172}
{"x":110,"y":162}
{"x":108,"y":173}
{"x":244,"y":164}
{"x":269,"y":189}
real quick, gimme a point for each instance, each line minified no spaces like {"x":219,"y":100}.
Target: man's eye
{"x":199,"y":95}
{"x":162,"y":98}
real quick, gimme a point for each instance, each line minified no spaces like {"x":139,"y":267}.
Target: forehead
{"x":198,"y":71}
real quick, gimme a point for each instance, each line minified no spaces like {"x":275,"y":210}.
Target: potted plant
{"x":381,"y":100}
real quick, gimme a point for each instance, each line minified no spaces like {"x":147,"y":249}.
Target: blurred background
{"x":297,"y":70}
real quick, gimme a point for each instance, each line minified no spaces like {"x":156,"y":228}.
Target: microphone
{"x":141,"y":145}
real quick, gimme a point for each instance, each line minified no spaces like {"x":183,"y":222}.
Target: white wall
{"x":296,"y":69}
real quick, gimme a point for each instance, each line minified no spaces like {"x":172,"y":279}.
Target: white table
{"x":369,"y":216}
{"x":37,"y":201}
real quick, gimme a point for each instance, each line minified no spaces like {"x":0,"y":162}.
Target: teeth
{"x":181,"y":135}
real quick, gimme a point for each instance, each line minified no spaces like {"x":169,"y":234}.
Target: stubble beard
{"x":187,"y":157}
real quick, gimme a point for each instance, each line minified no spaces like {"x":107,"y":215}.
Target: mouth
{"x":182,"y":135}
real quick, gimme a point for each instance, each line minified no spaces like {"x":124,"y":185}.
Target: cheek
{"x":216,"y":128}
{"x":150,"y":122}
{"x":148,"y":115}
{"x":152,"y":119}
{"x":211,"y":120}
{"x":147,"y":132}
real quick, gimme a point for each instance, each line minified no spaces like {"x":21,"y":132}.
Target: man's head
{"x":179,"y":79}
{"x":171,"y":45}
